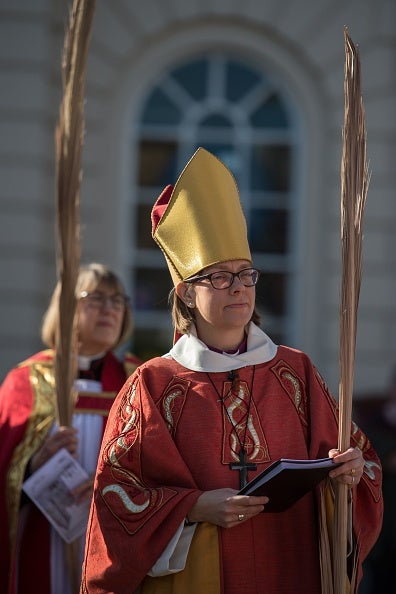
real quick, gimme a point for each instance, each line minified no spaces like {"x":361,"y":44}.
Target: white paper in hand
{"x":50,"y":489}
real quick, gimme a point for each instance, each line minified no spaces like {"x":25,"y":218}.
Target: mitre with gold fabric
{"x":199,"y":222}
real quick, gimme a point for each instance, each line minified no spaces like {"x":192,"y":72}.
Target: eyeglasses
{"x":223,"y":279}
{"x":100,"y":300}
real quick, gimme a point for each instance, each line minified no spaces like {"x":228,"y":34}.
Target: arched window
{"x":244,"y":116}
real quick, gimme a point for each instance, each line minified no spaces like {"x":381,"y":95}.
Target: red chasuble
{"x":169,"y":438}
{"x":27,"y":404}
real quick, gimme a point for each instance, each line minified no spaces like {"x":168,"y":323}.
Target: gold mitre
{"x":200,"y":221}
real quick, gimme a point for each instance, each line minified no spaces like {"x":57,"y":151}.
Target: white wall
{"x":131,"y":42}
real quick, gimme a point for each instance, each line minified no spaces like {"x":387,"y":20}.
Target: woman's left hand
{"x":352,"y":466}
{"x":83,"y":491}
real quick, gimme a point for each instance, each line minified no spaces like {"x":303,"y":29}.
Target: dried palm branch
{"x":69,"y":143}
{"x":354,"y":186}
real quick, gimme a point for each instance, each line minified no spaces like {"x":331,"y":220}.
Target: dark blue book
{"x":287,"y":480}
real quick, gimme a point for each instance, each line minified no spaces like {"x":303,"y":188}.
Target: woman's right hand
{"x":224,"y":507}
{"x":65,"y":437}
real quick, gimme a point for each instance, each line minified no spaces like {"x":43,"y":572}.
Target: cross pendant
{"x":243,"y":466}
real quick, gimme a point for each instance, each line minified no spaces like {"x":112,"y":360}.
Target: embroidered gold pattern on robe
{"x":117,"y":449}
{"x":39,"y":424}
{"x":295,"y":388}
{"x":254,"y":442}
{"x":128,"y":498}
{"x":172,"y":402}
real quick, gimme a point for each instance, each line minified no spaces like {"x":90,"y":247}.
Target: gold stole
{"x":39,"y":423}
{"x":202,"y":570}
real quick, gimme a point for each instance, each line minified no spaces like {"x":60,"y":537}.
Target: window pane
{"x":143,"y":227}
{"x":157,"y":163}
{"x":152,"y":286}
{"x":270,"y":168}
{"x":268,"y":231}
{"x":270,"y":114}
{"x":148,"y":344}
{"x":225,"y":152}
{"x":193,"y":77}
{"x":159,"y":109}
{"x":239,"y":81}
{"x":216,"y":120}
{"x":271,"y":293}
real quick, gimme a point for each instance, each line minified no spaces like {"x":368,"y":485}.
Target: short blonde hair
{"x":183,"y":316}
{"x":90,"y":276}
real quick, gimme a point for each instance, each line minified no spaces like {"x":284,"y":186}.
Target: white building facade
{"x":259,"y":83}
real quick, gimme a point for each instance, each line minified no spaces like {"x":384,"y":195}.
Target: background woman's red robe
{"x":27,"y":411}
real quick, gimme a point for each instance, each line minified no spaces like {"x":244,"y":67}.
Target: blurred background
{"x":260,"y":84}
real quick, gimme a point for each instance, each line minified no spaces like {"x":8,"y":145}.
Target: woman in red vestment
{"x":33,"y":554}
{"x":187,"y":429}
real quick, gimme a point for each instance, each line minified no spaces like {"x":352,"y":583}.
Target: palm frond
{"x":69,"y":138}
{"x":69,"y":145}
{"x":354,"y":187}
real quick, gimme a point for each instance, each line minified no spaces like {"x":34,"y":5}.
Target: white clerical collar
{"x":192,"y":353}
{"x":84,"y":361}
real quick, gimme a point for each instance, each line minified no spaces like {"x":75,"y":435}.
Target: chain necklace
{"x":242,"y":465}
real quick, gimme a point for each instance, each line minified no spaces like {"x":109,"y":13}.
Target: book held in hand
{"x":285,"y":481}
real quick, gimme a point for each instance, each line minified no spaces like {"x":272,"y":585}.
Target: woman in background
{"x":33,"y":554}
